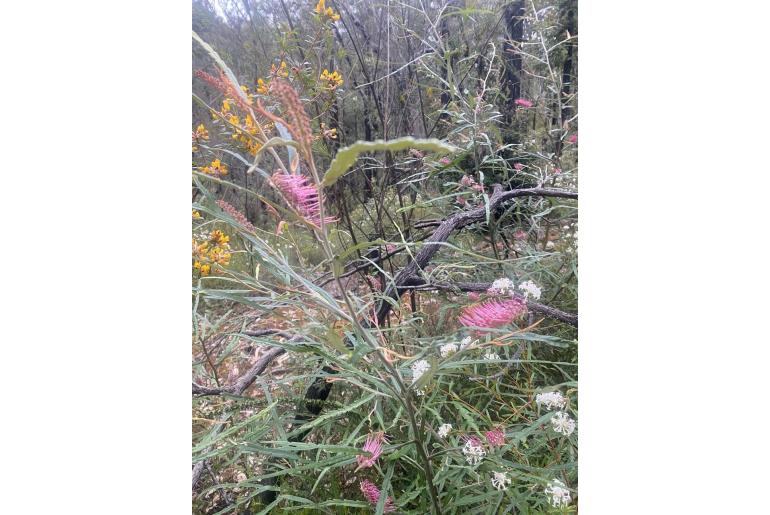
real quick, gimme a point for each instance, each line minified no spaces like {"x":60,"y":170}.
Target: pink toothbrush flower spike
{"x":373,"y":445}
{"x":372,"y":494}
{"x":302,"y":195}
{"x":492,"y":313}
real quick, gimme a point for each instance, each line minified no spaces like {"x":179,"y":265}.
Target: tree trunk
{"x":511,"y":77}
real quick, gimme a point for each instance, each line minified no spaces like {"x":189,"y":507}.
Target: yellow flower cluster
{"x":196,"y":215}
{"x":262,"y":87}
{"x":326,"y":12}
{"x":334,"y":78}
{"x":216,"y":168}
{"x":279,"y":71}
{"x":245,"y":133}
{"x":212,"y":248}
{"x":200,"y":134}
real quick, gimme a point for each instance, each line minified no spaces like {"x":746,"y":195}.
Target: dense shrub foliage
{"x":384,"y":310}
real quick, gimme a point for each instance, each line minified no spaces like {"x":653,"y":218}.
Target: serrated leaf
{"x":348,"y":155}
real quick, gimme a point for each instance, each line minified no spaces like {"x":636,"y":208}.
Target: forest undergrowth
{"x":384,"y":257}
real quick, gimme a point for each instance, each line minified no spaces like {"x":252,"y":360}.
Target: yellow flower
{"x":226,"y":105}
{"x":201,"y":132}
{"x":334,"y":79}
{"x":219,"y":256}
{"x":280,"y":71}
{"x":205,"y":270}
{"x":328,"y":12}
{"x":218,"y":238}
{"x":216,"y":168}
{"x":196,"y":214}
{"x":261,"y":87}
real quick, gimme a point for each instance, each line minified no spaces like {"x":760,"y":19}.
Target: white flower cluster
{"x":502,"y":286}
{"x":562,"y":423}
{"x":448,"y":349}
{"x":551,"y":400}
{"x":491,"y":356}
{"x":465,"y":342}
{"x":474,"y":452}
{"x":559,"y":494}
{"x":418,"y":369}
{"x":530,"y":289}
{"x":444,"y":429}
{"x":499,"y":480}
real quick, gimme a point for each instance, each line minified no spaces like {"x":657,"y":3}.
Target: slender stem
{"x":366,"y":336}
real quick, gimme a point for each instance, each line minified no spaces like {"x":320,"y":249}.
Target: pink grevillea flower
{"x":372,"y":494}
{"x":492,"y":313}
{"x":573,"y":138}
{"x":520,"y":235}
{"x":495,"y":438}
{"x":518,"y":167}
{"x":523,"y":102}
{"x":467,"y":181}
{"x":444,"y":161}
{"x":373,"y":445}
{"x":302,"y":194}
{"x":557,"y":171}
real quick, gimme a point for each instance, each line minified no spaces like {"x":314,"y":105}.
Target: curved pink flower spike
{"x":492,"y":313}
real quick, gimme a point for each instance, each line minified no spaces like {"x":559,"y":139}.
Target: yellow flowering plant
{"x":333,"y":79}
{"x":326,"y":13}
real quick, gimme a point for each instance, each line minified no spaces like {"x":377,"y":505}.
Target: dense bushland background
{"x":311,"y":336}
